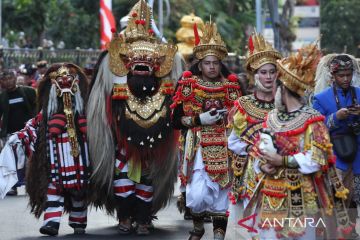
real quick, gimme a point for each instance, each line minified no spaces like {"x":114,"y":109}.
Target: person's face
{"x":42,"y":70}
{"x":267,"y":75}
{"x":343,"y":78}
{"x":210,"y":67}
{"x":8,"y":82}
{"x":20,"y":80}
{"x":266,"y":144}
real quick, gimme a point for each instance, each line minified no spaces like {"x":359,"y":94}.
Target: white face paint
{"x":266,"y":144}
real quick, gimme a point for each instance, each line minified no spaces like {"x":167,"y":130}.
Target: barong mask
{"x":137,"y":50}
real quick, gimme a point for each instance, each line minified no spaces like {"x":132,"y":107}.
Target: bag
{"x":345,"y":146}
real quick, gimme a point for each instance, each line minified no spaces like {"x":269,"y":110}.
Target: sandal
{"x":124,"y":227}
{"x":196,"y":234}
{"x":142,"y":230}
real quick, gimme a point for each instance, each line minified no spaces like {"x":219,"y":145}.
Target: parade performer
{"x":297,"y":179}
{"x":337,"y":98}
{"x":186,"y":39}
{"x":55,"y":143}
{"x":131,"y":140}
{"x":203,"y":96}
{"x":250,"y":111}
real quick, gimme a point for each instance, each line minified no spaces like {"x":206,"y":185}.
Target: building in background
{"x":307,"y":15}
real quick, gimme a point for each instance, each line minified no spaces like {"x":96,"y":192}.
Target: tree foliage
{"x":76,"y":22}
{"x":231,"y":16}
{"x":339,"y":24}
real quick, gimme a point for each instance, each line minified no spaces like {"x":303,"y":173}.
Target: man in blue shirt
{"x":339,"y":103}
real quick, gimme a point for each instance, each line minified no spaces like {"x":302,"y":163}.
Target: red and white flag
{"x":107,"y":22}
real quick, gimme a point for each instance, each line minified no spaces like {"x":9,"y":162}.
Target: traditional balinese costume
{"x":247,"y":117}
{"x":55,"y":143}
{"x":306,"y":187}
{"x":205,"y":163}
{"x":131,"y":140}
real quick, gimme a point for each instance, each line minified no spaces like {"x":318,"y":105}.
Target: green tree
{"x":26,"y":16}
{"x":232,"y":18}
{"x":76,"y":22}
{"x":339,"y":24}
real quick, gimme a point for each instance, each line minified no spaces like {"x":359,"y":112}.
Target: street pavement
{"x":17,"y":223}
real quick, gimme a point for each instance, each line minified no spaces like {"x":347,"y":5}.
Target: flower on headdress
{"x":137,"y":21}
{"x":134,"y":14}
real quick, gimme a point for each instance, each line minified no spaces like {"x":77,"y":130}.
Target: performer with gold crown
{"x":202,"y":99}
{"x":297,"y":180}
{"x":131,"y":141}
{"x":250,"y":111}
{"x":55,"y":143}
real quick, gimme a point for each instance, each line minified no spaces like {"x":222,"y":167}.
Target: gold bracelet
{"x":285,"y":161}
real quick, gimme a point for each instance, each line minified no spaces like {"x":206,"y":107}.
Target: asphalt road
{"x":16,"y":222}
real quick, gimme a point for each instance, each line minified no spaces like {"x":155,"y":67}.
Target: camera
{"x":355,"y":128}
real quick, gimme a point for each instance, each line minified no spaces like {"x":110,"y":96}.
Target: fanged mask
{"x":64,"y":81}
{"x":143,"y":64}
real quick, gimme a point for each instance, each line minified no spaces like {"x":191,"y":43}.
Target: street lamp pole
{"x":161,"y":17}
{"x":258,"y":16}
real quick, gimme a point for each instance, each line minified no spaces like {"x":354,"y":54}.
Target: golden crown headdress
{"x":185,"y":35}
{"x":297,"y":72}
{"x":210,"y":43}
{"x":260,"y":52}
{"x":138,"y":39}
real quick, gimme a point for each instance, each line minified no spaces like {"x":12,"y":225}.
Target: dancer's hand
{"x":272,"y":158}
{"x":268,"y":169}
{"x":210,"y":117}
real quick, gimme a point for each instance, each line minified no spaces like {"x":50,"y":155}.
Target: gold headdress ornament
{"x":260,"y":52}
{"x":138,"y":44}
{"x":297,"y":72}
{"x":210,"y":43}
{"x":185,"y":35}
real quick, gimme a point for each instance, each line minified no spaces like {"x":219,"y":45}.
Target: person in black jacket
{"x":17,"y":105}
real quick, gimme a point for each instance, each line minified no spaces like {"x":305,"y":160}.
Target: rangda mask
{"x":65,"y":80}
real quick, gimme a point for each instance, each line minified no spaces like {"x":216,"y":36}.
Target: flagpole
{"x":0,"y":22}
{"x":161,"y":17}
